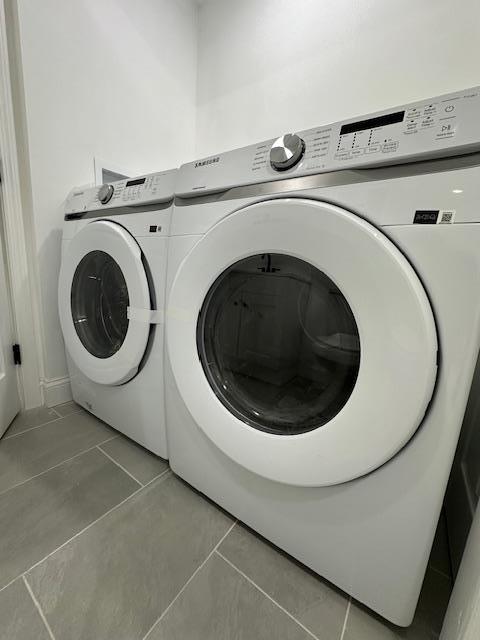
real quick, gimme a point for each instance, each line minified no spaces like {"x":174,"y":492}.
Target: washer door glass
{"x":279,"y":344}
{"x":99,"y":302}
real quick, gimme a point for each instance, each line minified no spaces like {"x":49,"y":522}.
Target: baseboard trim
{"x":56,"y":391}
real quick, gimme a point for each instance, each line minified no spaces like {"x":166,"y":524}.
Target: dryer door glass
{"x":279,"y":344}
{"x":99,"y":302}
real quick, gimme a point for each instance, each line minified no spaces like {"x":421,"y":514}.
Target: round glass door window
{"x":99,"y":302}
{"x":279,"y":344}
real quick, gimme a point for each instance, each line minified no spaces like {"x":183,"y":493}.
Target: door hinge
{"x":17,"y":354}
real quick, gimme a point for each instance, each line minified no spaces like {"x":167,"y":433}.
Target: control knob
{"x":286,"y":151}
{"x":105,"y":193}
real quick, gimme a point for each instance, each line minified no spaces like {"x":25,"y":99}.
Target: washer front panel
{"x":111,"y":239}
{"x":395,"y":323}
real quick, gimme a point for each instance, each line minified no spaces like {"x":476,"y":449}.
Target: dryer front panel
{"x":302,"y":342}
{"x":104,"y":303}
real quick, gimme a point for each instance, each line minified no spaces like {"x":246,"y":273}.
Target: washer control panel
{"x":433,"y":123}
{"x":131,"y":192}
{"x":439,"y":127}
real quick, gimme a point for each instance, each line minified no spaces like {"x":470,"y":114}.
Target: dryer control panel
{"x":439,"y":127}
{"x":131,"y":192}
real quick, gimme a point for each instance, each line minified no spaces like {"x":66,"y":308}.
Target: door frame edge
{"x":24,"y":303}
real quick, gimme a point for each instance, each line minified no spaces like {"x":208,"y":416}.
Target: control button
{"x":286,"y":151}
{"x":413,"y":113}
{"x":449,"y":108}
{"x":105,"y":193}
{"x":445,"y":131}
{"x":388,"y":147}
{"x":428,"y":122}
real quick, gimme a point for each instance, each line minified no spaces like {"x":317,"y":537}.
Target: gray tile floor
{"x":100,"y":541}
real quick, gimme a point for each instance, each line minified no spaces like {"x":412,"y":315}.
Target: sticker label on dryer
{"x":446,"y":217}
{"x":426,"y":216}
{"x":434,"y":216}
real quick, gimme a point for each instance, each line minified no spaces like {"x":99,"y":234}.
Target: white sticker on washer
{"x":150,"y":316}
{"x":446,"y":216}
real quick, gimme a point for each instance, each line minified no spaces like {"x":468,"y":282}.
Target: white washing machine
{"x":111,"y":302}
{"x":323,"y":323}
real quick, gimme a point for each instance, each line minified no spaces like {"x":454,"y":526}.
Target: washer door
{"x":302,"y":342}
{"x":102,"y":280}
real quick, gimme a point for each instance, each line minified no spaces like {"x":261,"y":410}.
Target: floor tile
{"x":363,"y":624}
{"x":116,"y":579}
{"x":40,"y":515}
{"x":19,"y":617}
{"x":31,"y":418}
{"x":67,"y":408}
{"x":320,"y":607}
{"x":33,"y":452}
{"x":143,"y":465}
{"x":220,"y":604}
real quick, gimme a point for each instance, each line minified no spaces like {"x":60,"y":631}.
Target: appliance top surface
{"x":442,"y":126}
{"x":141,"y":191}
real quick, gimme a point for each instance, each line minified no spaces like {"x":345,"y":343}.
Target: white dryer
{"x":111,"y":302}
{"x":323,"y":323}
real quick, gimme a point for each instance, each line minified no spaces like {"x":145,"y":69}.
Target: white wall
{"x":125,"y":81}
{"x":109,"y":78}
{"x":271,"y":66}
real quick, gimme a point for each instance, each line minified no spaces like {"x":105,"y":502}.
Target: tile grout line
{"x":75,"y":412}
{"x":39,"y":608}
{"x":44,"y":424}
{"x":99,"y":447}
{"x":199,"y":568}
{"x":79,"y":533}
{"x":167,"y":470}
{"x":291,"y":616}
{"x":59,"y":464}
{"x":344,"y":628}
{"x":24,"y":573}
{"x":38,"y":426}
{"x":77,"y":408}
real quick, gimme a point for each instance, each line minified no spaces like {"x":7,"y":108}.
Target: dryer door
{"x":302,"y":342}
{"x":104,"y":303}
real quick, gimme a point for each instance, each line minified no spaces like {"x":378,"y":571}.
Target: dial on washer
{"x":286,"y":151}
{"x":105,"y":193}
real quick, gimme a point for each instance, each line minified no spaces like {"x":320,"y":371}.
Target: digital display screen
{"x":132,"y":183}
{"x":372,"y":123}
